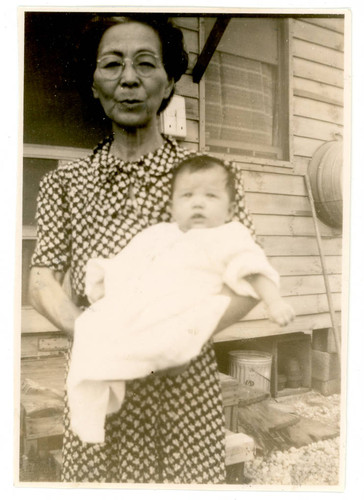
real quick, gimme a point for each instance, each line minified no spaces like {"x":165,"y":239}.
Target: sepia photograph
{"x":183,"y":248}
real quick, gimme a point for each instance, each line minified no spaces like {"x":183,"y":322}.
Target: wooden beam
{"x":210,"y":46}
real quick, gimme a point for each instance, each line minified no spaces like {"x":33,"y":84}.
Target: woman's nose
{"x":128,"y":75}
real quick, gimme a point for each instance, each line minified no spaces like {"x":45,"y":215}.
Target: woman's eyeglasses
{"x":110,"y":67}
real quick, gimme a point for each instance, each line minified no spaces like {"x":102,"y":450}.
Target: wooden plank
{"x":32,"y":322}
{"x":329,"y":92}
{"x":186,"y":88}
{"x":192,"y":131}
{"x":317,"y":53}
{"x":49,"y":372}
{"x":300,"y":164}
{"x":239,"y":447}
{"x":298,"y":245}
{"x":317,"y":72}
{"x":192,"y":111}
{"x":36,"y":428}
{"x":318,"y":110}
{"x":192,"y":58}
{"x":316,"y":34}
{"x":327,"y":387}
{"x":305,"y":265}
{"x":304,"y":146}
{"x":334,"y":23}
{"x":193,"y":146}
{"x":306,"y":285}
{"x":316,"y":129}
{"x":191,"y":40}
{"x":260,"y":203}
{"x":290,"y":225}
{"x":276,"y":183}
{"x":249,"y":163}
{"x":325,"y":365}
{"x":263,"y":328}
{"x":190,"y":22}
{"x":307,"y":431}
{"x":258,"y":420}
{"x":303,"y":305}
{"x":33,"y":345}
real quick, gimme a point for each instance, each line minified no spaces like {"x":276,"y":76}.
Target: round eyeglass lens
{"x":111,"y":67}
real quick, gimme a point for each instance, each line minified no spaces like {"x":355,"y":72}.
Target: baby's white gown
{"x":162,"y":303}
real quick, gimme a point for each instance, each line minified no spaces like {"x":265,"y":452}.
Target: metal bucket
{"x":251,"y":368}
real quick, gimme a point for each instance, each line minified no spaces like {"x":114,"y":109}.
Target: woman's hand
{"x":50,"y":299}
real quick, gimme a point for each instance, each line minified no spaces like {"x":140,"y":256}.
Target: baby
{"x":156,"y":303}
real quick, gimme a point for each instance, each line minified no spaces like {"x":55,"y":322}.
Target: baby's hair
{"x":205,"y":162}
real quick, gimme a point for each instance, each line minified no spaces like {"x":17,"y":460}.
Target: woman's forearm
{"x":238,"y":308}
{"x":49,"y":298}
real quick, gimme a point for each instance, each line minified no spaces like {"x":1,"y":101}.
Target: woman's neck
{"x":129,"y":145}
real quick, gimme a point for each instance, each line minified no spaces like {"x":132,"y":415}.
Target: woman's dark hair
{"x":174,"y":55}
{"x":202,"y":162}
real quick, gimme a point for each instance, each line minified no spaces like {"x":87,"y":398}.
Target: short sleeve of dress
{"x":241,"y":211}
{"x":53,"y":225}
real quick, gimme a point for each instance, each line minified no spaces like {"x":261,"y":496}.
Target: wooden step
{"x":239,"y":448}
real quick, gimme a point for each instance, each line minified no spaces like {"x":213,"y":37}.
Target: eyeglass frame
{"x":130,"y":59}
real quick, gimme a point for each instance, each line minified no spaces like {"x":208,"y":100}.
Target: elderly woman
{"x":170,"y":428}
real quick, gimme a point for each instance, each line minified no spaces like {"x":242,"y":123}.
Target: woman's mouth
{"x":130,"y":103}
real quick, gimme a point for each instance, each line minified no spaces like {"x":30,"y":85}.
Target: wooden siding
{"x":276,"y":195}
{"x":278,"y":201}
{"x":185,"y":87}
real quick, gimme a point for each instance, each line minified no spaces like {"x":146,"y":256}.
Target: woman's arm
{"x":49,"y":298}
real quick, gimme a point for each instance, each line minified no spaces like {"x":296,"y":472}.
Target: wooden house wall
{"x":276,"y":192}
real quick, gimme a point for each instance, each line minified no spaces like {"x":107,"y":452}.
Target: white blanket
{"x":162,"y":303}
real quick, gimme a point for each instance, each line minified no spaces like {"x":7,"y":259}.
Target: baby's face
{"x":201,"y":200}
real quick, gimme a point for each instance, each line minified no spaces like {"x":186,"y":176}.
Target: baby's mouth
{"x":198,"y":217}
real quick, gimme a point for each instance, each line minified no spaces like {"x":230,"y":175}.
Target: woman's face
{"x":131,"y":101}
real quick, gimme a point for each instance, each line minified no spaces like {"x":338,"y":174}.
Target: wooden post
{"x":324,"y":270}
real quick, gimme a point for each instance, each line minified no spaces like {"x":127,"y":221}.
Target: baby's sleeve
{"x":247,"y":258}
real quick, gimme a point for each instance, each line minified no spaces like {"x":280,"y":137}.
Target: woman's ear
{"x":169,"y":88}
{"x":94,"y":91}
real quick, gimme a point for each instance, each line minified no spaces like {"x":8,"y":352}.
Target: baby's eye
{"x":186,"y":195}
{"x":211,"y":195}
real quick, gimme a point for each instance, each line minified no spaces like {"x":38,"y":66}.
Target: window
{"x":246,"y":88}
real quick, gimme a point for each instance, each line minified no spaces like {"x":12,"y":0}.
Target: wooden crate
{"x":42,"y":402}
{"x":325,"y":366}
{"x":230,"y":398}
{"x":280,"y":346}
{"x":298,"y":346}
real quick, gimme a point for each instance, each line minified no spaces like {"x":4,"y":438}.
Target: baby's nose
{"x":198,"y":201}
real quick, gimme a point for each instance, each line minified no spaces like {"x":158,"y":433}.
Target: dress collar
{"x":155,"y":163}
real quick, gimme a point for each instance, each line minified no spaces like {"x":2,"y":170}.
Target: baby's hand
{"x":281,"y":312}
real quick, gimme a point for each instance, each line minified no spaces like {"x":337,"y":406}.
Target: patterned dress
{"x":170,"y":429}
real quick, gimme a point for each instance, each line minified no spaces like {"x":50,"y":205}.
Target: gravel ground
{"x":316,"y":464}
